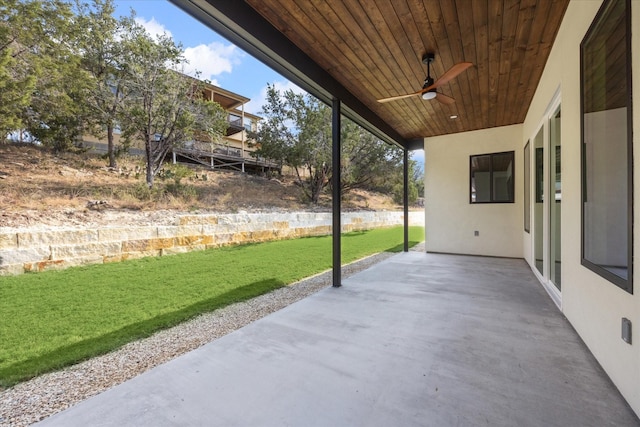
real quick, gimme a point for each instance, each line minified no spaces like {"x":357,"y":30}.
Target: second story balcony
{"x":237,"y":124}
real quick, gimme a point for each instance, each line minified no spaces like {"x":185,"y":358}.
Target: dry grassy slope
{"x":38,"y":188}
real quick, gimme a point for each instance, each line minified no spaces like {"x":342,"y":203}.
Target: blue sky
{"x":218,"y":60}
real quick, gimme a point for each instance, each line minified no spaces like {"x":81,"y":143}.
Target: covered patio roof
{"x":359,"y":52}
{"x":351,"y":53}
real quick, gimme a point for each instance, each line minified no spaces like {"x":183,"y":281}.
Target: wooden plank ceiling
{"x":374,"y":49}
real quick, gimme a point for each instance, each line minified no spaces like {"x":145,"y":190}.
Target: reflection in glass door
{"x":538,"y":206}
{"x":555,"y":202}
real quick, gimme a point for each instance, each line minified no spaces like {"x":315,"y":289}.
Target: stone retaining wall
{"x":23,"y":250}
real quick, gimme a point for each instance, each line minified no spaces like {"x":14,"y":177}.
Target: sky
{"x":219,"y":61}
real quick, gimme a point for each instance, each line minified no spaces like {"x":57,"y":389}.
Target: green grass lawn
{"x":52,"y":319}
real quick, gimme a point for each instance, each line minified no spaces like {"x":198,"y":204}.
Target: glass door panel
{"x":527,"y":187}
{"x":538,"y":206}
{"x":555,"y":202}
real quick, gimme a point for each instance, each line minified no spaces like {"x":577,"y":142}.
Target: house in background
{"x":233,"y":151}
{"x":534,"y":160}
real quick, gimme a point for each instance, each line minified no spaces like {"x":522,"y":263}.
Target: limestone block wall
{"x":24,"y":250}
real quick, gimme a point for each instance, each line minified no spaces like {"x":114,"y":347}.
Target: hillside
{"x":39,"y":188}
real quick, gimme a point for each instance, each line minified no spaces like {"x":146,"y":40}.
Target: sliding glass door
{"x":545,"y":201}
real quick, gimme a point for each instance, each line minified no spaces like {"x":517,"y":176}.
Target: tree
{"x":417,"y":176}
{"x":46,"y":84}
{"x":15,"y":93}
{"x":58,"y":115}
{"x":367,"y":161}
{"x":165,"y":108}
{"x":30,"y":31}
{"x":296,"y":130}
{"x":415,"y":180}
{"x":106,"y":61}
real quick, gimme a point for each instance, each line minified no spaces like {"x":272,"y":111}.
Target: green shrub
{"x":398,"y":195}
{"x":176,"y":172}
{"x":186,"y":192}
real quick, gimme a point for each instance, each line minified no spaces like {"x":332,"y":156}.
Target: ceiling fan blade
{"x":446,"y":77}
{"x":393,"y":98}
{"x":451,"y":73}
{"x":444,"y":98}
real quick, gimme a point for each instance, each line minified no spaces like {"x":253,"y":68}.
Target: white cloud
{"x":417,"y":155}
{"x":212,"y":59}
{"x":153,"y":27}
{"x":209,"y":59}
{"x":255,"y":105}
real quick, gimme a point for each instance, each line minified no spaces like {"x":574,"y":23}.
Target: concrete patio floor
{"x":417,"y":340}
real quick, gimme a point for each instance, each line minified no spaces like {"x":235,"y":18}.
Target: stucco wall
{"x":592,"y":304}
{"x":450,"y":219}
{"x":23,"y":250}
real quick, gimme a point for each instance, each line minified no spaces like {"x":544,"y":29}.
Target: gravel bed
{"x":43,"y":396}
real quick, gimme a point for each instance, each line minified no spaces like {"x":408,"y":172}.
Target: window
{"x":527,"y":188}
{"x":492,"y":178}
{"x":539,"y":168}
{"x":607,"y":193}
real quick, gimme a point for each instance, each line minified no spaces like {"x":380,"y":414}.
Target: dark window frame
{"x":625,"y":284}
{"x":512,"y":187}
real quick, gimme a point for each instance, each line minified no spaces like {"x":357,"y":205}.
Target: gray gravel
{"x":43,"y":396}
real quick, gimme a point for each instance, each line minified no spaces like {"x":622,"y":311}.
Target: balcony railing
{"x":218,"y":148}
{"x":236,"y":124}
{"x":206,"y":152}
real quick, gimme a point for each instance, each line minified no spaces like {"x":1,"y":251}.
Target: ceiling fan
{"x":429,"y":87}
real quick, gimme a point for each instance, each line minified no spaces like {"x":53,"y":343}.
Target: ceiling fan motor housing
{"x":430,"y":85}
{"x":428,"y":58}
